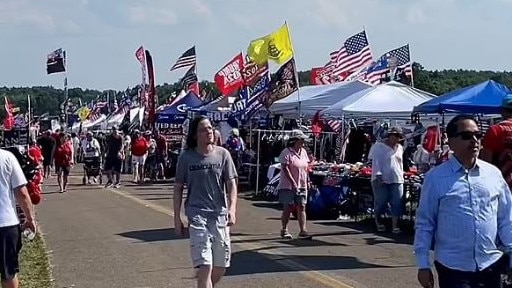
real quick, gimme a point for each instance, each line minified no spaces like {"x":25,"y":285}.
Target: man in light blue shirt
{"x":465,"y":213}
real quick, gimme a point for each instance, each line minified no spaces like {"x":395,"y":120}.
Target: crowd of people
{"x":464,"y":213}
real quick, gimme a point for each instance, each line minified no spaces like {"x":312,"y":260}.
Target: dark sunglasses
{"x":468,"y":135}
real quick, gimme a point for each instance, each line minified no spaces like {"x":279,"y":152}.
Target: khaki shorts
{"x":290,"y":197}
{"x":210,"y":243}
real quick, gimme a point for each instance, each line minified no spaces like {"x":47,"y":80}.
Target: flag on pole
{"x":276,"y":47}
{"x":186,"y":59}
{"x":352,"y":56}
{"x":188,"y":79}
{"x":391,"y":63}
{"x":56,"y":62}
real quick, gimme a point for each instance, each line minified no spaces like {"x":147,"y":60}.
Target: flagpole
{"x":296,"y":73}
{"x":65,"y":91}
{"x":412,"y":67}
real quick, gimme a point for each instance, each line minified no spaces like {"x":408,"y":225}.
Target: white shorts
{"x":139,"y":159}
{"x":210,"y":243}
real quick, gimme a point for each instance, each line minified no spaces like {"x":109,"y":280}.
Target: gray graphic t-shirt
{"x":206,"y":177}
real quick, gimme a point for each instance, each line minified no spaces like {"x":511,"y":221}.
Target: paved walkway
{"x":122,"y":238}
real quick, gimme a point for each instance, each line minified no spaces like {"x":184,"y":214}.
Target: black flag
{"x":56,"y":62}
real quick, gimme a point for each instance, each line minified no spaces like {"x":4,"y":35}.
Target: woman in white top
{"x":388,"y":177}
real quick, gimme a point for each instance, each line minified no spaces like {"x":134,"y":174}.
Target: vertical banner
{"x":151,"y":103}
{"x":141,"y":56}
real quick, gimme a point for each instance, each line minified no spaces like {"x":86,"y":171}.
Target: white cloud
{"x":155,"y":15}
{"x":21,"y":12}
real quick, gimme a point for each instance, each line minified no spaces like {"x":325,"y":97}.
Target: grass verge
{"x":35,"y":269}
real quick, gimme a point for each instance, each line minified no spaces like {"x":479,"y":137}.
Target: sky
{"x":101,"y":36}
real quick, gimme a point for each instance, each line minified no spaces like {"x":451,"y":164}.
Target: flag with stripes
{"x":335,"y":125}
{"x":186,"y":59}
{"x":188,"y":79}
{"x":354,"y":54}
{"x":56,"y":62}
{"x":389,"y":65}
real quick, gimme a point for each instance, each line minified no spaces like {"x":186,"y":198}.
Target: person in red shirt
{"x":140,"y":146}
{"x":63,"y":161}
{"x":161,"y":151}
{"x":497,"y":142}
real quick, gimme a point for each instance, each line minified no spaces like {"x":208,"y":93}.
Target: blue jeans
{"x":383,"y":194}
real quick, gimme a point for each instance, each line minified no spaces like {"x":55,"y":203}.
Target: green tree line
{"x":48,"y":99}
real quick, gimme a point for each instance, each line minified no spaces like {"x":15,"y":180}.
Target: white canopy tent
{"x":392,"y":99}
{"x":314,"y":98}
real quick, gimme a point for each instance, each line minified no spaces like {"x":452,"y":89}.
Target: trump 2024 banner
{"x":229,"y":79}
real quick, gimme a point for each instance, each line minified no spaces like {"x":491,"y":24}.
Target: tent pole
{"x":258,"y":164}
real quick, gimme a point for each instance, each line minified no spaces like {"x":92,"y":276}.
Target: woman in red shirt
{"x":63,"y":161}
{"x":140,"y":148}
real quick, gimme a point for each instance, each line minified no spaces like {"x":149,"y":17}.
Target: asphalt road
{"x":123,"y":238}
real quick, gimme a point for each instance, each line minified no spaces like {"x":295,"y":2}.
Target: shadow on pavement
{"x":157,"y":198}
{"x":271,"y":205}
{"x":367,"y":227}
{"x":152,"y":235}
{"x":251,"y":262}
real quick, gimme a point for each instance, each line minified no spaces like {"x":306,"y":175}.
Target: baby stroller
{"x":92,"y":166}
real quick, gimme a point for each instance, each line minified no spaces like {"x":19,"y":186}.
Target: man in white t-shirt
{"x":388,"y":177}
{"x":12,"y":190}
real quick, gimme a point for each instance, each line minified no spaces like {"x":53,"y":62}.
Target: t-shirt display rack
{"x":259,"y":133}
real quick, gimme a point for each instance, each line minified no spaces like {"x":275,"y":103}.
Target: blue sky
{"x":101,"y":36}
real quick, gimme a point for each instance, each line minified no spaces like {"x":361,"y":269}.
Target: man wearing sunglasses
{"x":465,"y":206}
{"x":497,"y":143}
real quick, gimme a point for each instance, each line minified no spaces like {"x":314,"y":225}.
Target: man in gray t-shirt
{"x":207,"y":170}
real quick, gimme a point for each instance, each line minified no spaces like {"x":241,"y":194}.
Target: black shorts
{"x":65,"y":169}
{"x":47,"y":159}
{"x":10,"y":246}
{"x":114,"y":164}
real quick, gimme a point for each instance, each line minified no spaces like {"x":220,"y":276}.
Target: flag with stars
{"x":354,"y":54}
{"x":394,"y":63}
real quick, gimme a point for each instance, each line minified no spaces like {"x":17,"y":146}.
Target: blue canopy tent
{"x":177,"y":112}
{"x":483,"y":98}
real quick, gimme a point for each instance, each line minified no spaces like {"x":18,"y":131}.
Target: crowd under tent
{"x":315,"y":98}
{"x":482,"y":98}
{"x":391,"y":99}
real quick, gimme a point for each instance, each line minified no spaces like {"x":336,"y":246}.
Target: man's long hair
{"x":191,"y":141}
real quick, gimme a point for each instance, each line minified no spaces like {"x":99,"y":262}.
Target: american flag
{"x":186,"y":59}
{"x":189,"y":78}
{"x":354,"y":54}
{"x":399,"y":58}
{"x":335,"y":125}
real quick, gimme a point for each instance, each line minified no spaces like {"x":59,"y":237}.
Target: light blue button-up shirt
{"x":464,"y":212}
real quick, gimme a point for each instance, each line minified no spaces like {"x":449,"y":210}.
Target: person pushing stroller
{"x":91,"y":150}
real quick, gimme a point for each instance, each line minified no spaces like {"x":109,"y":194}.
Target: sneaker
{"x":109,"y":184}
{"x":304,"y":234}
{"x":286,"y":235}
{"x":381,"y":228}
{"x":117,"y":185}
{"x":396,"y":231}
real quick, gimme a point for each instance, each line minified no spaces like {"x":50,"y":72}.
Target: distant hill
{"x":48,"y":99}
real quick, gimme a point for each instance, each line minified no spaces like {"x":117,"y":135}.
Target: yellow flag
{"x":276,"y":47}
{"x":83,"y":113}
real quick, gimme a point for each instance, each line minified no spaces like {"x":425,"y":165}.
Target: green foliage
{"x":48,"y":99}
